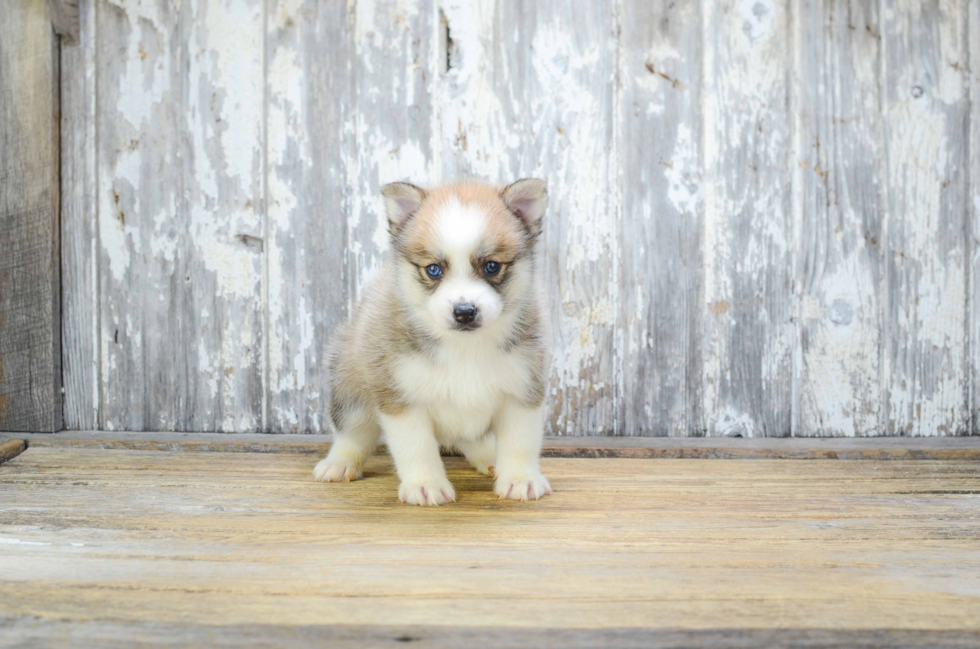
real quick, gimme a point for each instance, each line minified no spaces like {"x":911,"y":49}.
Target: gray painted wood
{"x":180,"y":211}
{"x":65,"y":19}
{"x":308,"y":86}
{"x":567,"y":136}
{"x":30,"y":295}
{"x":80,"y":306}
{"x":973,"y":26}
{"x":141,"y":358}
{"x":925,"y":362}
{"x":749,"y":232}
{"x":837,"y":211}
{"x":747,"y":129}
{"x":392,"y":55}
{"x":529,"y":91}
{"x":661,"y":273}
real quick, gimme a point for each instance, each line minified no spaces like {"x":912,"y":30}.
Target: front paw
{"x":327,"y":470}
{"x":528,"y":487}
{"x":427,"y":492}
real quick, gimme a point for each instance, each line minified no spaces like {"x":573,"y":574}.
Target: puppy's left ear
{"x":401,"y":201}
{"x":528,"y":199}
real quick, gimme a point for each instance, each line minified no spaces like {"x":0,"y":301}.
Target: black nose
{"x":464,"y":313}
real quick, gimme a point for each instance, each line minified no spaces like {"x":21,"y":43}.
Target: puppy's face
{"x":464,"y":250}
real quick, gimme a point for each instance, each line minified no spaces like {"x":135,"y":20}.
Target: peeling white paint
{"x":243,"y":231}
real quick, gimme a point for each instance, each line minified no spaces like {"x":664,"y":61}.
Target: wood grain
{"x":308,"y":88}
{"x":749,"y":333}
{"x":838,"y":209}
{"x":30,"y":261}
{"x":973,"y":25}
{"x":755,"y":228}
{"x":528,"y":90}
{"x":564,"y":118}
{"x":660,"y":316}
{"x":925,"y":362}
{"x":31,"y":631}
{"x":228,"y":539}
{"x":180,"y":206}
{"x":80,"y":303}
{"x":763,"y":448}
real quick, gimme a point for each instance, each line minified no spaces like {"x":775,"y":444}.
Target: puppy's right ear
{"x":401,"y":200}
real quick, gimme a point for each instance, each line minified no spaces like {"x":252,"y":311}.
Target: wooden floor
{"x":174,"y":548}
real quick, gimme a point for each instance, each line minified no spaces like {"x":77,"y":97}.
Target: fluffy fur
{"x":448,"y":346}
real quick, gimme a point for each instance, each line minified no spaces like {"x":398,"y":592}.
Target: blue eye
{"x":434,"y":271}
{"x":491,"y":267}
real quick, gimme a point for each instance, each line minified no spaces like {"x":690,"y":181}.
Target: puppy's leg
{"x":351,"y":448}
{"x":412,"y":442}
{"x":480,"y":452}
{"x":519,"y":430}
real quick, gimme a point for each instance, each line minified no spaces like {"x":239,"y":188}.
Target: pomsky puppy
{"x":449,"y":345}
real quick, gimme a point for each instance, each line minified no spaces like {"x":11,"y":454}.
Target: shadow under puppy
{"x":448,"y":345}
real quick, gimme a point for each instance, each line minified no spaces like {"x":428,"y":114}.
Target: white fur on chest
{"x":462,"y":386}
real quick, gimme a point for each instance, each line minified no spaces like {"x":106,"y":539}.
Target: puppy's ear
{"x":401,"y":201}
{"x":528,"y":199}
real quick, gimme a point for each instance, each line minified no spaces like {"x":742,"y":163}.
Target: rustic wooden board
{"x":529,"y":90}
{"x":227,"y":539}
{"x":926,"y":369}
{"x":308,"y":88}
{"x":749,"y":230}
{"x":30,"y":262}
{"x":80,"y":306}
{"x":564,"y":121}
{"x":973,"y":25}
{"x":749,"y":335}
{"x":138,"y":183}
{"x":878,"y":448}
{"x":838,"y":211}
{"x":660,"y":312}
{"x":180,"y":209}
{"x":393,"y":57}
{"x":31,"y":631}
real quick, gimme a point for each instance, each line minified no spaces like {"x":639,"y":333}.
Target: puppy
{"x":448,"y":346}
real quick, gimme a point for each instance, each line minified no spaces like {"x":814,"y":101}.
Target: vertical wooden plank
{"x":662,"y":226}
{"x":973,"y":25}
{"x":79,"y":237}
{"x":138,"y":113}
{"x":926,"y":363}
{"x":30,"y":297}
{"x":222,"y":187}
{"x":485,"y":69}
{"x":394,"y":47}
{"x":308,"y":93}
{"x":180,"y":221}
{"x":838,"y":207}
{"x":568,"y":100}
{"x":529,"y":92}
{"x":747,"y":139}
{"x":358,"y":114}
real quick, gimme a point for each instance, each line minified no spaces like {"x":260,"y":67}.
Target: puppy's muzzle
{"x":465,"y":316}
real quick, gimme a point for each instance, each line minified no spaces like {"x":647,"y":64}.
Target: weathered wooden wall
{"x":30,"y":336}
{"x":765,"y":214}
